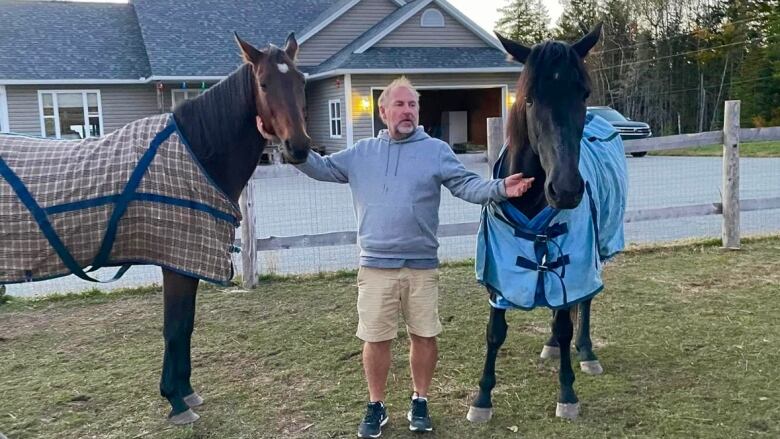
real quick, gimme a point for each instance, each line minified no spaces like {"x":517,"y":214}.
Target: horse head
{"x":280,"y":97}
{"x":549,"y":113}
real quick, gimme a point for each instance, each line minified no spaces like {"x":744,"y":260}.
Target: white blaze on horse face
{"x":284,"y":68}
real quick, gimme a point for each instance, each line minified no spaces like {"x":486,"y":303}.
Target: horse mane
{"x":221,"y":113}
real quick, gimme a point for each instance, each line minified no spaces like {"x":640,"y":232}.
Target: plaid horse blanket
{"x":135,"y":196}
{"x":555,"y":259}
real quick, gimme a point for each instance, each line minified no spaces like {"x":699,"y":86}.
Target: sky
{"x":483,"y":12}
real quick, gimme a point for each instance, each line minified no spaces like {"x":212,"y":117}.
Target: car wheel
{"x":639,"y":154}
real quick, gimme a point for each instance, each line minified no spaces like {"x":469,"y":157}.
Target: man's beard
{"x":405,"y":128}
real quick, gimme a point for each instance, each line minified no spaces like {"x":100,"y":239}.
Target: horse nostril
{"x":551,"y":190}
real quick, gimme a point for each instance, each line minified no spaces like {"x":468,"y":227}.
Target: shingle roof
{"x":184,"y":40}
{"x":174,"y":38}
{"x":324,"y":15}
{"x":49,"y":40}
{"x":421,"y":57}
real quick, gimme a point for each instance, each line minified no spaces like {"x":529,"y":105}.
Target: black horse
{"x":544,"y":130}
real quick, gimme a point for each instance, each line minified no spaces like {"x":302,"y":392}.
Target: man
{"x":396,"y":181}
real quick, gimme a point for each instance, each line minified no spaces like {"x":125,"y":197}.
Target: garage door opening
{"x":457,"y":116}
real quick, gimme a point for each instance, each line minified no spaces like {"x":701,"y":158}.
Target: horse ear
{"x":516,"y":50}
{"x":291,"y":46}
{"x":583,"y":46}
{"x":250,"y":54}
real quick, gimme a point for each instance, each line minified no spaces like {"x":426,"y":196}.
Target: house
{"x":71,"y":70}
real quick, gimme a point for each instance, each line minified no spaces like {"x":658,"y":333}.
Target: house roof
{"x":326,"y":17}
{"x":183,"y":40}
{"x":57,"y":44}
{"x":173,"y":40}
{"x":418,"y":58}
{"x":409,"y":58}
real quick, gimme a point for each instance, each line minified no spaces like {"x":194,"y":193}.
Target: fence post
{"x":248,"y":242}
{"x":495,"y":139}
{"x":730,"y":234}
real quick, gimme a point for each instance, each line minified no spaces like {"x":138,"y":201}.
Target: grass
{"x":752,"y":149}
{"x":688,"y":337}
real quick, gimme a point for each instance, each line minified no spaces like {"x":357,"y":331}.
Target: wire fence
{"x":306,"y":226}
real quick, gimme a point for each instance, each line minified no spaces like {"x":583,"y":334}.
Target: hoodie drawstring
{"x":398,"y":158}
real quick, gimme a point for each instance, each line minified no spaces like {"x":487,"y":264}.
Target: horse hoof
{"x":184,"y":418}
{"x":193,"y":400}
{"x":479,"y":414}
{"x":567,"y":411}
{"x":591,"y":367}
{"x":550,"y":353}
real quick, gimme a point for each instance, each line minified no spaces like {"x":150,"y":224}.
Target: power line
{"x":687,"y":34}
{"x":666,"y":93}
{"x":677,"y":54}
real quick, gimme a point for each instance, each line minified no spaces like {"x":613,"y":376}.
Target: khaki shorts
{"x":382,"y":293}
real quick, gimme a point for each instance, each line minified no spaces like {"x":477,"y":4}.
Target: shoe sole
{"x":387,"y":418}
{"x":413,"y":428}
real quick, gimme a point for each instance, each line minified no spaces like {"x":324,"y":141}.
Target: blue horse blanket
{"x":555,"y":259}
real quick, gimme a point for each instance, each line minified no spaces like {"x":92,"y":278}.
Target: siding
{"x":411,"y":34}
{"x":126,"y":104}
{"x":344,"y":30}
{"x":318,"y":122}
{"x":120,"y":104}
{"x":3,"y":110}
{"x":168,"y":94}
{"x":361,"y":89}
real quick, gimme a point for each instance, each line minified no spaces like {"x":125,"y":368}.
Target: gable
{"x":337,"y":35}
{"x":412,"y":34}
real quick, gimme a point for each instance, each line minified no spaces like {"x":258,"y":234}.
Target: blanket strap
{"x":40,"y":217}
{"x":551,"y":232}
{"x":546,"y":267}
{"x":542,"y":251}
{"x":594,"y":214}
{"x":128,"y":194}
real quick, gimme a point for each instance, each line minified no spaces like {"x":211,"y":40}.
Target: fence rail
{"x":730,"y":207}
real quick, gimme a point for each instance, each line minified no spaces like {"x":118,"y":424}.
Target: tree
{"x":524,"y":20}
{"x":578,"y":17}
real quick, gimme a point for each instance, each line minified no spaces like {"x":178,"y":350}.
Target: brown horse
{"x":544,"y":132}
{"x":173,"y":181}
{"x":221,"y":129}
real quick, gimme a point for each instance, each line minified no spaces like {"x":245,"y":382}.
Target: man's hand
{"x":516,"y":185}
{"x":270,"y":137}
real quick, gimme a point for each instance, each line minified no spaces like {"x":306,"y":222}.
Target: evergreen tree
{"x":526,"y":21}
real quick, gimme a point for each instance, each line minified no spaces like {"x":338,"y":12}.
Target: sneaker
{"x":376,"y":418}
{"x":419,"y":419}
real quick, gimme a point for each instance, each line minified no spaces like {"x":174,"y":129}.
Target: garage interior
{"x":457,"y":116}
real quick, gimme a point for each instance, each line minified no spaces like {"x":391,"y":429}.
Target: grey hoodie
{"x":396,"y":189}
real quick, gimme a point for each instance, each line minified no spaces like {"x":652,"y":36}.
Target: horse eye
{"x":586,"y":96}
{"x":263,"y":86}
{"x":529,"y":100}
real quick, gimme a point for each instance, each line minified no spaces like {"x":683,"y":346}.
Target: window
{"x":334,"y":107}
{"x":432,"y":18}
{"x":4,"y":128}
{"x":70,"y":114}
{"x":180,"y":95}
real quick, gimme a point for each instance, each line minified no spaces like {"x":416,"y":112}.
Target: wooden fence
{"x":730,"y":206}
